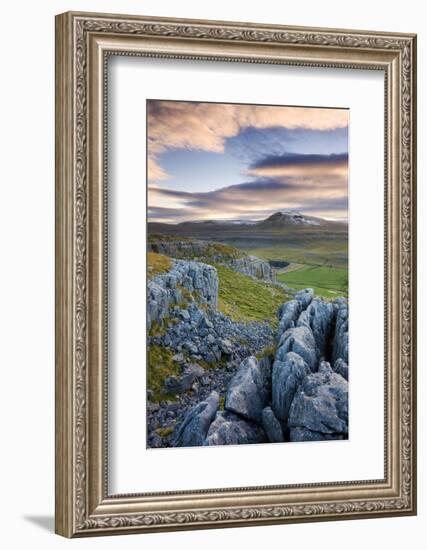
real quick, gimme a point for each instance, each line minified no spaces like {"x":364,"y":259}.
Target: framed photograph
{"x":235,"y":274}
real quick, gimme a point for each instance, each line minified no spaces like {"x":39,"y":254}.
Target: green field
{"x":329,"y":282}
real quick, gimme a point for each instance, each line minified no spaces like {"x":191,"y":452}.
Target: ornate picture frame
{"x":84,"y":42}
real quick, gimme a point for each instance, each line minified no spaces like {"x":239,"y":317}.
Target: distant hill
{"x":286,"y":225}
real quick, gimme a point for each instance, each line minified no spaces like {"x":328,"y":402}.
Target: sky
{"x":236,"y":161}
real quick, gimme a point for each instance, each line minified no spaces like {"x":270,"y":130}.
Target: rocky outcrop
{"x":168,"y":289}
{"x":252,"y":266}
{"x":291,"y":394}
{"x":187,"y":249}
{"x":309,"y":398}
{"x":230,"y":429}
{"x":193,"y":430}
{"x":193,"y":249}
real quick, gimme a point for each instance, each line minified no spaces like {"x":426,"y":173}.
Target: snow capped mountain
{"x":290,"y":217}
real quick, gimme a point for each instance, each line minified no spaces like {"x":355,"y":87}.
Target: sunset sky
{"x":229,"y":161}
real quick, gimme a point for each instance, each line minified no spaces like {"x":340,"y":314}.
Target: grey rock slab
{"x":288,"y":315}
{"x":286,"y":378}
{"x":194,"y":428}
{"x":246,"y":393}
{"x":230,"y":429}
{"x":321,"y":403}
{"x":301,"y":341}
{"x":272,"y":426}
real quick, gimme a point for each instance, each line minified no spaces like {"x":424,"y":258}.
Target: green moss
{"x":157,"y":263}
{"x":164,"y":432}
{"x":160,"y":367}
{"x":245,"y":299}
{"x":221,"y":403}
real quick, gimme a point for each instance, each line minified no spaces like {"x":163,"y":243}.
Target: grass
{"x":244,"y":299}
{"x":157,"y":263}
{"x":329,"y":282}
{"x":160,"y":367}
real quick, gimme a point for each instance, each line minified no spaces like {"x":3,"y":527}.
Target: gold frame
{"x":83,"y":43}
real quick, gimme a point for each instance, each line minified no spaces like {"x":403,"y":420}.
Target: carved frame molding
{"x":83,"y":42}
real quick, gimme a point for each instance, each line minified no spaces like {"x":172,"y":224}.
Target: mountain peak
{"x":290,"y":217}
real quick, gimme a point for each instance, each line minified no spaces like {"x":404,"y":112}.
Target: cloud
{"x":325,"y":197}
{"x":206,"y":126}
{"x":301,"y":165}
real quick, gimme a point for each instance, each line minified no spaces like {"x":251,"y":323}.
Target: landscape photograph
{"x":247,"y":274}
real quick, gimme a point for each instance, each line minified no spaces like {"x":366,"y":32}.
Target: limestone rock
{"x":301,"y":341}
{"x":246,"y":393}
{"x":321,"y":403}
{"x":192,"y":431}
{"x":304,"y":297}
{"x":271,"y":425}
{"x":286,"y":378}
{"x":230,"y":429}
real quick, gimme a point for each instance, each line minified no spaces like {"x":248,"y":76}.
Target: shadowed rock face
{"x":319,"y":318}
{"x":321,"y":404}
{"x":287,"y":377}
{"x":230,"y":429}
{"x":272,"y":427}
{"x":192,"y":432}
{"x":246,"y":394}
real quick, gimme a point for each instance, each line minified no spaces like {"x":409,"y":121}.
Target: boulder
{"x":271,"y":425}
{"x":287,"y":376}
{"x":321,"y":403}
{"x":246,"y":393}
{"x":304,"y":297}
{"x":194,"y":428}
{"x":301,"y":341}
{"x":230,"y":429}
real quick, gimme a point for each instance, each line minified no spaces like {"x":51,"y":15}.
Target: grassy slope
{"x":157,"y":263}
{"x":245,"y":299}
{"x":328,"y":282}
